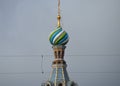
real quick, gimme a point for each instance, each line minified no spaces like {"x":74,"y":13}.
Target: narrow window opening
{"x":58,"y":54}
{"x":48,"y":85}
{"x":60,"y":84}
{"x":55,"y":54}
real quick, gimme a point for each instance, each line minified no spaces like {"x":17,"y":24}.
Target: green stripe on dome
{"x":60,"y":37}
{"x":53,"y":33}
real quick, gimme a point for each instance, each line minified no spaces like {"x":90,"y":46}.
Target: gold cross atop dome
{"x":59,"y":17}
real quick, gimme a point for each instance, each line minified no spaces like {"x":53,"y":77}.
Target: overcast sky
{"x":92,"y":54}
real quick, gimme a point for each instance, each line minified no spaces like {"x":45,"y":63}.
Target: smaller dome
{"x":59,"y":37}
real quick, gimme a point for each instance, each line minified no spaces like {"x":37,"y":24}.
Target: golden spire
{"x":59,"y":17}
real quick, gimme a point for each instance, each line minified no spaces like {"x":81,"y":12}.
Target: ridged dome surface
{"x":59,"y":37}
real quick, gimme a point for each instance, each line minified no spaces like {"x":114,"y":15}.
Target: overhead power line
{"x":20,"y":73}
{"x":53,"y":55}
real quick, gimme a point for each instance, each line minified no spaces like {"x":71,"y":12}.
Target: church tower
{"x":59,"y":38}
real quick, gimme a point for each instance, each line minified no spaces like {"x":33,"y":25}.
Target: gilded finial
{"x":59,"y":17}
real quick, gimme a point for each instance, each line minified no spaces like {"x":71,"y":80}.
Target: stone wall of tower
{"x":59,"y":51}
{"x":59,"y":55}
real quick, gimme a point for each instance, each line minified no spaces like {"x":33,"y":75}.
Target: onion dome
{"x":59,"y":37}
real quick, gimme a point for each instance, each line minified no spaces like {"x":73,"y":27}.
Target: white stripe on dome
{"x":57,"y":36}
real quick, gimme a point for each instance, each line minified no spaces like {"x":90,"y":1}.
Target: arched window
{"x":47,"y":85}
{"x":60,"y":84}
{"x":58,"y":54}
{"x":55,"y":54}
{"x":72,"y":84}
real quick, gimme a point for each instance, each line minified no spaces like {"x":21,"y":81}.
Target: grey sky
{"x":94,"y":30}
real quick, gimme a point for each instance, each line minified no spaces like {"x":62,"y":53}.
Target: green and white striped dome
{"x":59,"y":37}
